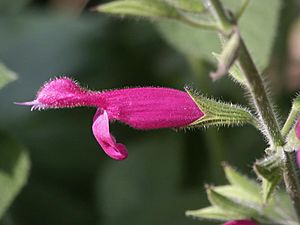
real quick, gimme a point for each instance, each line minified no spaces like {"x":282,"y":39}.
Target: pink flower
{"x":241,"y":222}
{"x":141,"y":108}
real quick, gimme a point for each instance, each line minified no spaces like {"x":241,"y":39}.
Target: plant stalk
{"x":260,"y":98}
{"x":292,"y":180}
{"x":262,"y":104}
{"x":254,"y":80}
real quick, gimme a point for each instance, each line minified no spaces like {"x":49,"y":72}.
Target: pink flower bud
{"x":141,"y":108}
{"x":241,"y":222}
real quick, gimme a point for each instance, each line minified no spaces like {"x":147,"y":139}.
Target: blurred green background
{"x":71,"y":180}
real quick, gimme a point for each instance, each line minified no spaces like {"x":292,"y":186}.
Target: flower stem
{"x":254,"y":81}
{"x":260,"y":98}
{"x":262,"y":104}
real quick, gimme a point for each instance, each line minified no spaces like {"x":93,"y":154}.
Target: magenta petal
{"x":240,"y":222}
{"x":105,"y":139}
{"x":298,"y":128}
{"x":151,"y":108}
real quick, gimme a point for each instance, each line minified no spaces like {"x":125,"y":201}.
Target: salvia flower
{"x":141,"y":108}
{"x":241,"y":222}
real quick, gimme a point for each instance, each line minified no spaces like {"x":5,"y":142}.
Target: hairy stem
{"x":262,"y":104}
{"x":260,"y":98}
{"x":290,"y":121}
{"x":292,"y":180}
{"x":254,"y":80}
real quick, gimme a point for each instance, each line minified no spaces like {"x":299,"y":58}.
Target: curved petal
{"x":105,"y":139}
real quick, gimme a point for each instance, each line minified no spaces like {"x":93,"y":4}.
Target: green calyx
{"x":269,"y":171}
{"x":217,"y":113}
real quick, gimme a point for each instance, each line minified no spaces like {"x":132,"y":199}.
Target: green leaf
{"x":238,"y":194}
{"x":6,"y":75}
{"x":217,"y":113}
{"x":200,"y":43}
{"x":212,"y":213}
{"x":254,"y":18}
{"x":241,"y":181}
{"x":227,"y":204}
{"x":269,"y":171}
{"x":187,"y":5}
{"x":140,"y":8}
{"x":189,"y":40}
{"x":14,"y":170}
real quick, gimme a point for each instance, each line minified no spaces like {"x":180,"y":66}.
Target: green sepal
{"x":228,"y":56}
{"x":217,"y":113}
{"x":270,"y":172}
{"x":238,"y":194}
{"x":213,"y":213}
{"x":249,"y":189}
{"x":6,"y":75}
{"x":140,"y":8}
{"x":228,"y":204}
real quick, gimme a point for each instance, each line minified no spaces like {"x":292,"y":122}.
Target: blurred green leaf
{"x":233,"y":207}
{"x":7,"y":7}
{"x":189,"y":40}
{"x":189,"y":6}
{"x":241,"y":181}
{"x":211,"y":213}
{"x":259,"y":14}
{"x":14,"y":170}
{"x":139,"y":8}
{"x":237,"y":193}
{"x":53,"y":204}
{"x":6,"y":75}
{"x":200,"y":43}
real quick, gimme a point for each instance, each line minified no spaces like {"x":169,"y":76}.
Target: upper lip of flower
{"x":142,"y":108}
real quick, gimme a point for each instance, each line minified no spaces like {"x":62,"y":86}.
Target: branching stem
{"x":262,"y":104}
{"x":255,"y":83}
